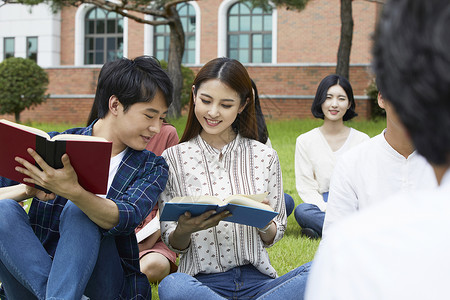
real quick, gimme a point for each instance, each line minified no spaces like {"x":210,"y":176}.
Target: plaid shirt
{"x":141,"y":177}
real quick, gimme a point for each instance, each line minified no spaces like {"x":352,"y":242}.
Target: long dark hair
{"x":263,"y":133}
{"x":411,"y":62}
{"x":232,"y":73}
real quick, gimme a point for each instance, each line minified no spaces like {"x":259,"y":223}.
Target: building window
{"x":32,"y":48}
{"x":249,"y":33}
{"x":8,"y":48}
{"x":162,"y":35}
{"x":103,"y":36}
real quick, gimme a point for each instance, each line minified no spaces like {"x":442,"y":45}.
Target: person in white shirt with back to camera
{"x":399,"y":248}
{"x":373,"y":171}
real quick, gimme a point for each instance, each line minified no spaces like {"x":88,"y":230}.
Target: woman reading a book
{"x":219,"y":155}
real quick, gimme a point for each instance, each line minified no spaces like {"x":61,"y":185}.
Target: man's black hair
{"x":131,"y":81}
{"x":412,"y":65}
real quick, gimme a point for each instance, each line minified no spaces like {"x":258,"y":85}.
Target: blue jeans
{"x":309,"y":216}
{"x":244,"y":282}
{"x":85,"y":262}
{"x":290,"y":204}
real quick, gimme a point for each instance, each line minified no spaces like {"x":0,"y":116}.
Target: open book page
{"x":150,"y":228}
{"x":65,"y":137}
{"x":249,"y":200}
{"x":26,"y":128}
{"x":78,"y":137}
{"x":205,"y":199}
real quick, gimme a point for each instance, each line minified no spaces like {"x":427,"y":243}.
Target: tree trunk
{"x":17,"y":116}
{"x":176,"y":50}
{"x":345,"y":43}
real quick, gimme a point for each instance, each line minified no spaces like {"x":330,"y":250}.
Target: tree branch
{"x":9,"y":2}
{"x":377,"y":1}
{"x":123,"y":9}
{"x":174,"y":2}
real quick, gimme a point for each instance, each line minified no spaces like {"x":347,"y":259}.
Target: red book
{"x":88,"y":155}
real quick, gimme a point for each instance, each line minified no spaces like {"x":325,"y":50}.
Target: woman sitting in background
{"x":316,"y":151}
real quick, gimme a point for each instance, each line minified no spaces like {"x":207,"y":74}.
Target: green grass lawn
{"x":293,"y":250}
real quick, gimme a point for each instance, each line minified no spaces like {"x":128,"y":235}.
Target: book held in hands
{"x":244,"y":209}
{"x":89,"y":155}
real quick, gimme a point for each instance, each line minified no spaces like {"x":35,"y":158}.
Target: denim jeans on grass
{"x":244,"y":282}
{"x":310,"y":216}
{"x":85,"y":261}
{"x":289,"y":203}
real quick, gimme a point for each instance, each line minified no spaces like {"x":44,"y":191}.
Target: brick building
{"x":286,"y":52}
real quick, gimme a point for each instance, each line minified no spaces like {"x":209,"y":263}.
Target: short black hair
{"x":412,"y":64}
{"x":131,"y":81}
{"x":321,"y":96}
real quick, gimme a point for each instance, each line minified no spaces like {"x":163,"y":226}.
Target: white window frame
{"x":149,"y":34}
{"x":223,"y":25}
{"x":80,"y":17}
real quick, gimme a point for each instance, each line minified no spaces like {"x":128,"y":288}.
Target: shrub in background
{"x":22,"y":84}
{"x":376,"y":112}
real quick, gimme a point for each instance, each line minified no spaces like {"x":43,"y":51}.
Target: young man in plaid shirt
{"x":74,"y":244}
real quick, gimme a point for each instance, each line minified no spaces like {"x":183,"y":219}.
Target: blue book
{"x":244,"y":209}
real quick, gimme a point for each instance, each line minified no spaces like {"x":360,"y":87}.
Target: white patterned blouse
{"x":244,"y":166}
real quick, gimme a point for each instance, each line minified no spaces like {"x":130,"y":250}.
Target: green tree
{"x":22,"y":84}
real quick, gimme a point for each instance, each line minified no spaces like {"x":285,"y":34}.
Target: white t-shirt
{"x":314,"y":163}
{"x":397,"y":249}
{"x":113,"y":167}
{"x":370,"y":173}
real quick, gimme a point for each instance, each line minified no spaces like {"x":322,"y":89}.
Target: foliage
{"x":22,"y":84}
{"x":188,"y":79}
{"x":376,"y":112}
{"x":289,"y":4}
